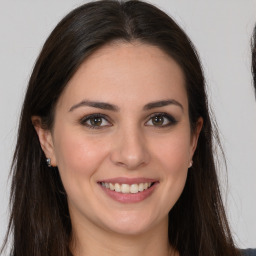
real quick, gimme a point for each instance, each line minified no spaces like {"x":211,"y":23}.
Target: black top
{"x":249,"y":252}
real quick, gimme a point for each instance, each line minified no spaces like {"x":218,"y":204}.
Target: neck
{"x":96,"y":242}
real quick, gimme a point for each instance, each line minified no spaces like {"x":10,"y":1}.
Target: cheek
{"x":77,"y":156}
{"x":173,"y":158}
{"x":174,"y":153}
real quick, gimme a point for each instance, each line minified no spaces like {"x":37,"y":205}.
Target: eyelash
{"x":85,"y":119}
{"x":170,"y":119}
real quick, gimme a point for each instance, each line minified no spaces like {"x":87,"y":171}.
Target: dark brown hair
{"x":254,"y":58}
{"x":40,"y":220}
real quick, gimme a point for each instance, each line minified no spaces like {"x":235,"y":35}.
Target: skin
{"x":126,"y":143}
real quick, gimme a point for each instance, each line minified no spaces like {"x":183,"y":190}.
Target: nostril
{"x":130,"y":154}
{"x":120,"y":164}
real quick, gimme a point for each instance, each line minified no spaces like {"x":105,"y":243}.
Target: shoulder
{"x":248,"y":252}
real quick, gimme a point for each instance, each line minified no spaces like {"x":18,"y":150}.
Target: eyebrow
{"x":108,"y":106}
{"x":162,"y":103}
{"x":95,"y":104}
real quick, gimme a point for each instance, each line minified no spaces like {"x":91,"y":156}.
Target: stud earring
{"x":48,"y":161}
{"x":190,"y":164}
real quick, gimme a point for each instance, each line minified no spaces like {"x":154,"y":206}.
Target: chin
{"x":134,"y":225}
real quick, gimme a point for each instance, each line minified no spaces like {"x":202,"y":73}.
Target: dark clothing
{"x":249,"y":252}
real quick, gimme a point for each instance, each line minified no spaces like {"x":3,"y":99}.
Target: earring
{"x":48,"y":161}
{"x":190,"y":164}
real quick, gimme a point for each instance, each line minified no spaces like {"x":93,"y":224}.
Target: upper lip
{"x":129,"y":181}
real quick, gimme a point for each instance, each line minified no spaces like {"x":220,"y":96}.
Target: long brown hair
{"x":254,"y":58}
{"x":40,"y":220}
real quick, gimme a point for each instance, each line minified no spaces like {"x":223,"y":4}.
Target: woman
{"x":115,"y":146}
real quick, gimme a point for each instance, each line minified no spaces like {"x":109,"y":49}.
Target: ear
{"x":45,"y":138}
{"x":195,"y":135}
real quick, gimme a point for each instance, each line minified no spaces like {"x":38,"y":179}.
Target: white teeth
{"x":117,"y":187}
{"x":141,"y":187}
{"x":111,"y":186}
{"x":134,"y":188}
{"x":125,"y":188}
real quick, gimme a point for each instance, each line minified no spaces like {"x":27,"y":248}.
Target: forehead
{"x":124,"y":72}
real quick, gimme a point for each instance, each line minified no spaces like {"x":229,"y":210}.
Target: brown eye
{"x":158,"y":120}
{"x":161,"y":120}
{"x":95,"y":121}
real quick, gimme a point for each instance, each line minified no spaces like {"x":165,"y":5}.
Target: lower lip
{"x":129,"y":198}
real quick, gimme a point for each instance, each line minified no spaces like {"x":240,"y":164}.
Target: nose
{"x":130,"y":150}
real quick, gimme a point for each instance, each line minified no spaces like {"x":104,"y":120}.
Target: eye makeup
{"x":101,"y":121}
{"x":95,"y":121}
{"x":161,"y":120}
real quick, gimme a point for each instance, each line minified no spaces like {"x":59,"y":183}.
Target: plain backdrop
{"x":221,"y":31}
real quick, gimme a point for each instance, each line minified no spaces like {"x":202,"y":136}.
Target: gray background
{"x":221,"y":31}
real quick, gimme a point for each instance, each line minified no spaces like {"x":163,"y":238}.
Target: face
{"x":122,"y":139}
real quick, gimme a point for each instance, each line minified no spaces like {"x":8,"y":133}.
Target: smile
{"x":126,"y":188}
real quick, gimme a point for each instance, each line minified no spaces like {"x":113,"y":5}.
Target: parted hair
{"x":40,"y":223}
